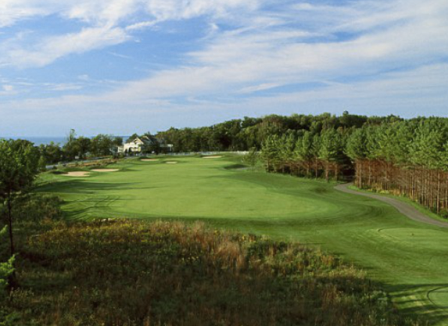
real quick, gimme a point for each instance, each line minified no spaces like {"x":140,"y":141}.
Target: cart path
{"x":402,"y":207}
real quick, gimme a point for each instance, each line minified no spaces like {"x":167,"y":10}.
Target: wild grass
{"x":127,"y":272}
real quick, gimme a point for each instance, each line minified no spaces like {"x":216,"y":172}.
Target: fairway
{"x":408,"y":257}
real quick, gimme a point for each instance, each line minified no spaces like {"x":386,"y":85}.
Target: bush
{"x":6,"y":270}
{"x":35,"y":208}
{"x":252,"y":157}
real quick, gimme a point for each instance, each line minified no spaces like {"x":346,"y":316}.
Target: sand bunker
{"x":213,"y":156}
{"x":171,"y":162}
{"x":77,"y":174}
{"x":105,"y":170}
{"x":149,"y":159}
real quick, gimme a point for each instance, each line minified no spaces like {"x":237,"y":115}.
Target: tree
{"x":101,"y":145}
{"x":52,"y":153}
{"x":356,"y":149}
{"x":304,"y":151}
{"x":18,"y":169}
{"x":251,"y":158}
{"x":331,"y":149}
{"x":82,"y":147}
{"x":117,"y":141}
{"x":269,"y":152}
{"x":69,"y":148}
{"x":42,"y":163}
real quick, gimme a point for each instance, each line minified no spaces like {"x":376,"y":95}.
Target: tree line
{"x":78,"y":148}
{"x":244,"y":134}
{"x":233,"y":135}
{"x":403,"y":157}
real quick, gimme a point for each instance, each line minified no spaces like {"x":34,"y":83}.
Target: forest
{"x":402,"y":157}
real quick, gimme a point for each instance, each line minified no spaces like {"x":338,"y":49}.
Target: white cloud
{"x":258,"y":88}
{"x":107,"y":22}
{"x":235,"y":61}
{"x":8,"y":88}
{"x":53,"y":48}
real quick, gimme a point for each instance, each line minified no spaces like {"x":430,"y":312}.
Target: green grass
{"x":407,"y":200}
{"x":409,"y":258}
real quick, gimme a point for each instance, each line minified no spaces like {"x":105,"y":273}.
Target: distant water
{"x":47,"y":140}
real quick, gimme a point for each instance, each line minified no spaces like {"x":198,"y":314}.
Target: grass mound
{"x":122,"y":272}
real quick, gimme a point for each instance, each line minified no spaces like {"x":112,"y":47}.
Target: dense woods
{"x":247,"y":133}
{"x":403,"y":157}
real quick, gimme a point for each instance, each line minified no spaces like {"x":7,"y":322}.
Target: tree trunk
{"x":438,"y":192}
{"x":11,"y":239}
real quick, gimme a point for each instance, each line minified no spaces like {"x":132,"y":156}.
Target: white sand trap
{"x":77,"y":174}
{"x":213,"y":156}
{"x":149,"y":159}
{"x":171,"y":162}
{"x":105,"y":170}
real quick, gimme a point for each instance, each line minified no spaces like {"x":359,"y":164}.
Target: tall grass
{"x":124,"y":272}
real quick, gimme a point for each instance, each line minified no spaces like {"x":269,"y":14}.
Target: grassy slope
{"x":124,"y":272}
{"x":407,"y":256}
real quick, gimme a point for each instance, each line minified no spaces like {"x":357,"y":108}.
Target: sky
{"x":125,"y":66}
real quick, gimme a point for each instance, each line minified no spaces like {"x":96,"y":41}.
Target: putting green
{"x":408,"y":257}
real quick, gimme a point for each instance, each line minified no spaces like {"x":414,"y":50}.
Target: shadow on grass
{"x":418,"y":297}
{"x":86,"y":187}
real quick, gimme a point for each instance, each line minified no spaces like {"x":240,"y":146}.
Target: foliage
{"x":37,"y":207}
{"x":404,"y":157}
{"x":102,"y":145}
{"x":244,"y":134}
{"x":51,"y":152}
{"x":132,"y":273}
{"x":18,"y":169}
{"x":42,"y":163}
{"x":6,"y":270}
{"x":251,"y":158}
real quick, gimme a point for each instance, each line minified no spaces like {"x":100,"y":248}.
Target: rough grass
{"x":134,"y":273}
{"x":409,"y":258}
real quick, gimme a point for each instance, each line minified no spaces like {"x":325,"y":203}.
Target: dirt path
{"x":402,"y":207}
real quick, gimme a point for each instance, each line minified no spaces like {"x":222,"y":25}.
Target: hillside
{"x":121,"y":272}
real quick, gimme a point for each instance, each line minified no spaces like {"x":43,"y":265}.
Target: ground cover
{"x":128,"y":272}
{"x":408,"y":257}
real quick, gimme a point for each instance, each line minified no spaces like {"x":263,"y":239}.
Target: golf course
{"x":407,"y":257}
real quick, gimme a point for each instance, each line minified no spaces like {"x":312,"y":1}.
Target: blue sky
{"x":125,"y":66}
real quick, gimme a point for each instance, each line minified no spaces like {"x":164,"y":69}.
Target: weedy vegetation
{"x":128,"y":272}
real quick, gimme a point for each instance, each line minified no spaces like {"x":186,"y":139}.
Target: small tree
{"x":18,"y":169}
{"x":42,"y":163}
{"x":6,"y":268}
{"x":251,"y":158}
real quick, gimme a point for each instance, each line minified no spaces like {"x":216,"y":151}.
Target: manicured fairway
{"x":410,"y":258}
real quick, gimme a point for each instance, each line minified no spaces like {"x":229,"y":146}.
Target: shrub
{"x":35,"y":208}
{"x":252,"y":157}
{"x":6,"y":270}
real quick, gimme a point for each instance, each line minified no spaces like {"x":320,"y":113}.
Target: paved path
{"x":402,"y":207}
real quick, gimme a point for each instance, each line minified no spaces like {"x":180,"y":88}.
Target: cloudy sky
{"x":120,"y":66}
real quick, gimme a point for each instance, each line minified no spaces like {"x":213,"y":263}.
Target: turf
{"x":409,"y":258}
